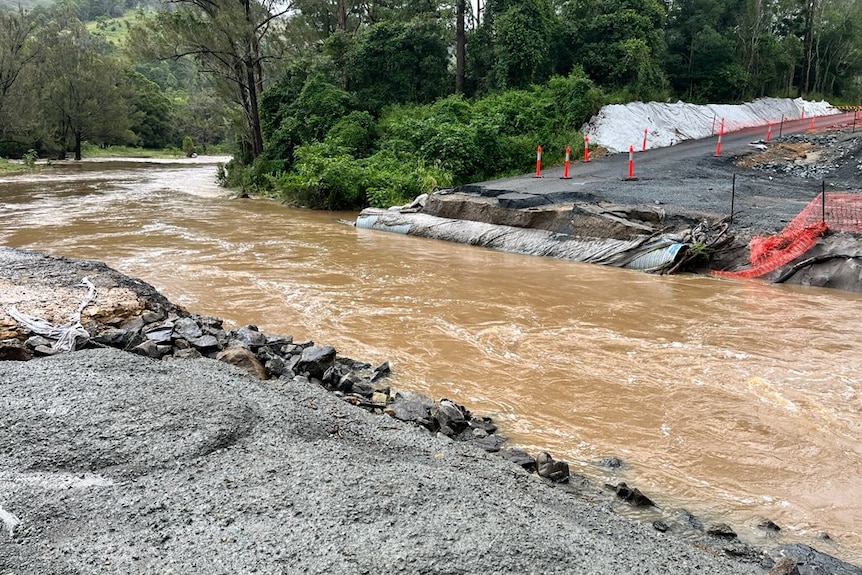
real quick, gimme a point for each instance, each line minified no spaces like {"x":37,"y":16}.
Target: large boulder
{"x":149,"y":348}
{"x":549,"y":468}
{"x":205,"y":343}
{"x":14,"y":350}
{"x":631,"y":494}
{"x":411,"y":406}
{"x":187,"y":328}
{"x":115,"y":337}
{"x":243,"y":358}
{"x":519,"y":457}
{"x":810,"y":561}
{"x":315,"y":360}
{"x":249,"y":336}
{"x":451,"y":417}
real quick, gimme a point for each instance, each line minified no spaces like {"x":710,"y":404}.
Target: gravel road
{"x":688,"y":178}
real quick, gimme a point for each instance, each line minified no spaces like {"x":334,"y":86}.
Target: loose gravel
{"x":114,"y":463}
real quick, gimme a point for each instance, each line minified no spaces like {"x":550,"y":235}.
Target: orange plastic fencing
{"x":841,"y":211}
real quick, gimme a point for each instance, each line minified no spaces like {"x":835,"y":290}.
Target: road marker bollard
{"x":811,"y":124}
{"x":768,"y":132}
{"x":539,"y":162}
{"x":586,"y":148}
{"x":718,"y":144}
{"x":631,"y":162}
{"x":643,"y":147}
{"x":566,"y":165}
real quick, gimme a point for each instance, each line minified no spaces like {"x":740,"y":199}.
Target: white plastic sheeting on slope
{"x":644,"y":253}
{"x":618,"y":126}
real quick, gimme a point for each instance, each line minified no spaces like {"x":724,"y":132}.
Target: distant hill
{"x":14,"y":4}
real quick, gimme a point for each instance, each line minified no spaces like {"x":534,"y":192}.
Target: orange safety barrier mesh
{"x":841,"y":211}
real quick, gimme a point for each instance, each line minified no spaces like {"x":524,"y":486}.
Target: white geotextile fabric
{"x":526,"y":241}
{"x":67,"y":336}
{"x":618,"y":126}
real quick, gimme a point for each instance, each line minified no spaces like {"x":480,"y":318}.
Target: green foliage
{"x":399,"y":62}
{"x":324,"y":177}
{"x":394,"y":180}
{"x":154,"y":125}
{"x":413,"y":149}
{"x":306,"y":119}
{"x":354,"y":132}
{"x":7,"y":166}
{"x":30,"y":158}
{"x":618,"y":44}
{"x":188,"y":146}
{"x":576,"y":97}
{"x":99,"y":151}
{"x":327,"y":177}
{"x":520,"y":43}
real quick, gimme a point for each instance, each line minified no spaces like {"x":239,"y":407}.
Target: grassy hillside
{"x":113,"y":30}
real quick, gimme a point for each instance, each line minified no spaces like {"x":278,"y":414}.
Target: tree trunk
{"x":253,"y":85}
{"x":342,"y":27}
{"x":460,"y":45}
{"x":342,"y":16}
{"x":808,"y":43}
{"x":77,"y":144}
{"x":253,"y":114}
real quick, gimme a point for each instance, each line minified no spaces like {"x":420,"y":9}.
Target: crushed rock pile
{"x":833,"y":155}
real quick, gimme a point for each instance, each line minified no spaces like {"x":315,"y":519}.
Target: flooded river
{"x":736,"y":400}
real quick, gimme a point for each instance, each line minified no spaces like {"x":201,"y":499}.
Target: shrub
{"x":324,"y":177}
{"x":188,"y":146}
{"x":327,"y":177}
{"x":354,"y":132}
{"x":30,"y":158}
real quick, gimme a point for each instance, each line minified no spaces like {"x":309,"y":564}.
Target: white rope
{"x":69,"y":335}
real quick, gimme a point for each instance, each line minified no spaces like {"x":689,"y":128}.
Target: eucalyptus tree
{"x":83,"y":93}
{"x":833,"y":61}
{"x":17,"y":52}
{"x":620,"y":43}
{"x":511,"y":47}
{"x":230,"y":40}
{"x":399,"y":62}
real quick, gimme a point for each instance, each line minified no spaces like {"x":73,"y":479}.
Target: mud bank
{"x":115,"y":462}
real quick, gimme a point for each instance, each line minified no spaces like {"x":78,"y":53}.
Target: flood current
{"x":736,"y":400}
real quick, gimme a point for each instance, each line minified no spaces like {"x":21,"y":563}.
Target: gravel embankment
{"x":114,"y":463}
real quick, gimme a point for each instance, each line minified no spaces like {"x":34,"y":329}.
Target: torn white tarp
{"x":10,"y":522}
{"x":67,"y":336}
{"x":647,"y":252}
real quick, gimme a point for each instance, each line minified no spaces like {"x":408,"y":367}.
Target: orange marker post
{"x":643,"y":147}
{"x":539,"y":162}
{"x":811,"y":124}
{"x":768,"y":132}
{"x":631,"y":162}
{"x":566,"y":165}
{"x":586,"y":148}
{"x":718,"y":144}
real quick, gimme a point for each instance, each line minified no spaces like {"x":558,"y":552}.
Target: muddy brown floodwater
{"x":736,"y":400}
